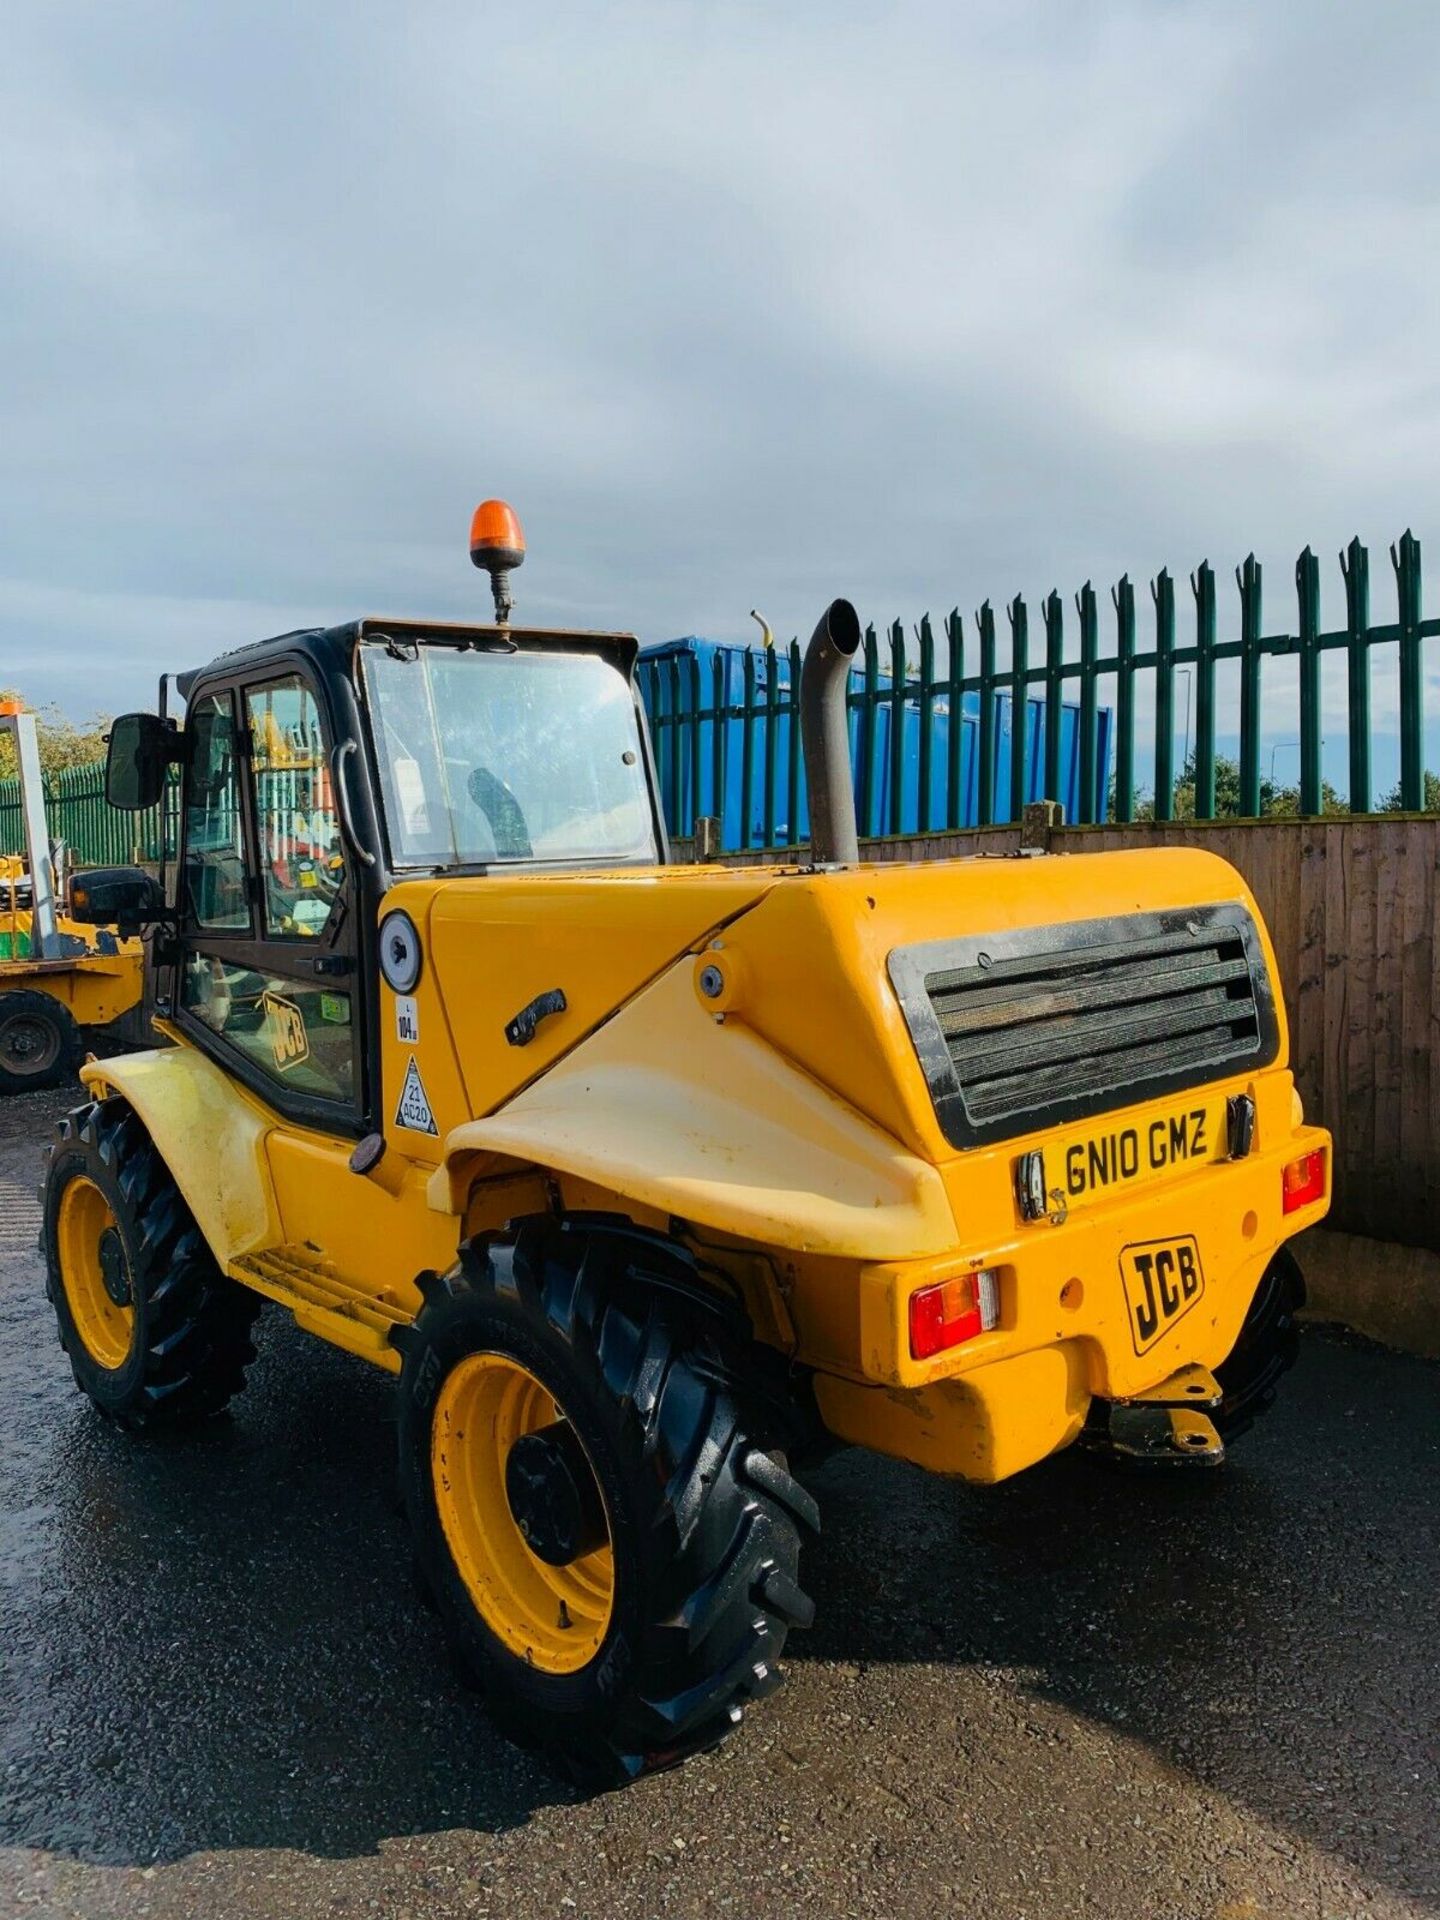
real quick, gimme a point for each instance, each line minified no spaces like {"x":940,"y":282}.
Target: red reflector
{"x":1303,"y":1181}
{"x":951,"y":1311}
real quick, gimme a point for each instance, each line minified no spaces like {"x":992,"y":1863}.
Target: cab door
{"x":268,"y":924}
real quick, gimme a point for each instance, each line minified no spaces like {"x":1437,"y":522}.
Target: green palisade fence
{"x":896,"y":693}
{"x":924,"y":786}
{"x":95,"y":833}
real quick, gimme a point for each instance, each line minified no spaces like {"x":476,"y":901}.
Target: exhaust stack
{"x":825,"y":735}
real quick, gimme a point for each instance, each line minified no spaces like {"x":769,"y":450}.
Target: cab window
{"x":302,"y":868}
{"x":488,"y":758}
{"x":215,"y":893}
{"x":269,"y":944}
{"x":297,"y":1032}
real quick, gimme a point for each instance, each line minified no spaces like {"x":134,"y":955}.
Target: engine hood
{"x":812,"y":961}
{"x":766,"y":1083}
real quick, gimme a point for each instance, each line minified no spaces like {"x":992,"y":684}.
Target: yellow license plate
{"x":1163,"y":1280}
{"x":1110,"y":1156}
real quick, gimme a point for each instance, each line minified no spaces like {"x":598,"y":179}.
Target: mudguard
{"x":702,"y":1118}
{"x":210,"y":1134}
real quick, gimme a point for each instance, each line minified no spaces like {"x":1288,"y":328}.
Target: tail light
{"x":1303,"y":1181}
{"x":954,"y":1310}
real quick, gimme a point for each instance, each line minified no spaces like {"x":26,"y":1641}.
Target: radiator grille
{"x":1059,"y":1022}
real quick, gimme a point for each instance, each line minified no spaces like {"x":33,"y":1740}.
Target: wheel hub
{"x":114,"y":1269}
{"x":26,"y":1043}
{"x":553,"y":1498}
{"x":94,"y":1272}
{"x":547,"y":1609}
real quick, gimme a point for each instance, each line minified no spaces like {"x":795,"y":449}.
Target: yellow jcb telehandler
{"x":60,"y":974}
{"x":648,"y":1182}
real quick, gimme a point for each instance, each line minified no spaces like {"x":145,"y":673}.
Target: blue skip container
{"x":749,"y":771}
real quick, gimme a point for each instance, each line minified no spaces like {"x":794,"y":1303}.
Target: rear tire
{"x":1266,"y":1349}
{"x":671,"y":1615}
{"x":156,"y":1335}
{"x":40,"y":1044}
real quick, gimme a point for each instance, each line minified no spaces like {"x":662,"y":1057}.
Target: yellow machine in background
{"x":58,"y":975}
{"x":649,"y":1183}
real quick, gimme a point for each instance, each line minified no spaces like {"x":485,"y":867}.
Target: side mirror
{"x":123,"y":897}
{"x":142,"y":746}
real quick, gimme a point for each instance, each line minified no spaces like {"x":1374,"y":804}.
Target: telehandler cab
{"x":648,"y":1181}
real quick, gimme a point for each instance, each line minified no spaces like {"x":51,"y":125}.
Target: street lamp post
{"x":1184,"y":673}
{"x":1275,"y":748}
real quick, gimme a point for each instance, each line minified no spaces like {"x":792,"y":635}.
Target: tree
{"x":1284,"y":802}
{"x":1275,"y":802}
{"x":1227,"y":793}
{"x":1391,"y":802}
{"x":62,"y":744}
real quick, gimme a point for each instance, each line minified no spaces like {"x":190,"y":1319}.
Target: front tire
{"x":621,"y":1585}
{"x":156,"y":1335}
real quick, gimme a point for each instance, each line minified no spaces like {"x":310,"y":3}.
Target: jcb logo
{"x":1163,"y":1280}
{"x":285,"y":1024}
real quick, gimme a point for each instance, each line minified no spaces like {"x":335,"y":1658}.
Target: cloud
{"x":740,"y":305}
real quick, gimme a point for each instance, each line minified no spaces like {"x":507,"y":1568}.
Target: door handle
{"x":342,"y":801}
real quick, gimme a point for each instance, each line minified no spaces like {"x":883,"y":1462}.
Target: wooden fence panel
{"x":1420,"y":1009}
{"x":1353,"y":908}
{"x":1385,"y":1051}
{"x":1307,"y":1037}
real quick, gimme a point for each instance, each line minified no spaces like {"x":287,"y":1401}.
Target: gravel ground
{"x":1212,"y":1697}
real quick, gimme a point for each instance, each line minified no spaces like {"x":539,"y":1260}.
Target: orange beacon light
{"x":498,"y":545}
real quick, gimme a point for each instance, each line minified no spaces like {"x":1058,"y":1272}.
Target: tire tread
{"x":725,"y":1514}
{"x":197,"y":1321}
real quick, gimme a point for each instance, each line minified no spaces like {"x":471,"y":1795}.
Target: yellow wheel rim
{"x":95,"y":1273}
{"x":552,"y":1618}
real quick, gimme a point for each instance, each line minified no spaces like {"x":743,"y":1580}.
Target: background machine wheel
{"x":40,"y":1044}
{"x":156,"y":1334}
{"x":612,"y":1544}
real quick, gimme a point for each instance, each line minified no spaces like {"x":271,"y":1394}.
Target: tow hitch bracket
{"x":1167,"y":1425}
{"x":1163,"y":1436}
{"x":1192,"y":1386}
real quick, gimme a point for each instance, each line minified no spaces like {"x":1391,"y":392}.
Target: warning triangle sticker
{"x":414,"y":1108}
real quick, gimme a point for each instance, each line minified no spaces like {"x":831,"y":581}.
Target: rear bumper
{"x":1067,"y":1331}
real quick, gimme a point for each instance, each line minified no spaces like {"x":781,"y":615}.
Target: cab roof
{"x":331,"y":649}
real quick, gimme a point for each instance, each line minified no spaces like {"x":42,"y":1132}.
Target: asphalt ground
{"x":1207,"y":1697}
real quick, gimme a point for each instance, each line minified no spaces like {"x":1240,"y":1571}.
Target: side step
{"x":323,"y":1301}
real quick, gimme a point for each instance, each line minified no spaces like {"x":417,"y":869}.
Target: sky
{"x":739,"y":305}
